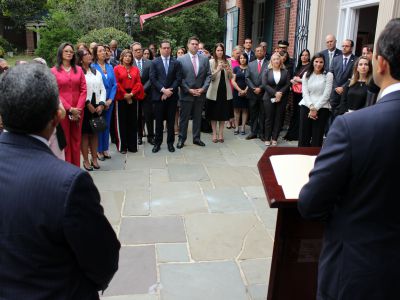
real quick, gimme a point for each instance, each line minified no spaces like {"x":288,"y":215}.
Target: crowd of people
{"x":126,"y":95}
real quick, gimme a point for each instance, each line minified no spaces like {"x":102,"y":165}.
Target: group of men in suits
{"x":167,"y":80}
{"x":354,"y":185}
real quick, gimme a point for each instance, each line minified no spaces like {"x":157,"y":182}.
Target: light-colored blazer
{"x":215,"y":79}
{"x":189,"y":78}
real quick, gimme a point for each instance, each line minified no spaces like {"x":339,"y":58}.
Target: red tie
{"x":259,"y":67}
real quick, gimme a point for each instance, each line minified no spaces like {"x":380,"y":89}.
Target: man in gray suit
{"x":196,"y":77}
{"x":253,"y":79}
{"x":331,"y":51}
{"x":145,"y":109}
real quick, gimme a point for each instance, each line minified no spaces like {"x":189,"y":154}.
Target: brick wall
{"x":279,"y":24}
{"x":242,"y":21}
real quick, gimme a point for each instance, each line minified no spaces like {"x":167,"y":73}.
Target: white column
{"x":388,"y":9}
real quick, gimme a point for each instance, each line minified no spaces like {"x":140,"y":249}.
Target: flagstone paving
{"x":193,"y":224}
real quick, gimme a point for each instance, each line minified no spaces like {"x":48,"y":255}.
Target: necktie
{"x":344,"y":63}
{"x":259,"y":67}
{"x":330,"y":58}
{"x":166,"y":66}
{"x":194,"y":64}
{"x":139,"y":63}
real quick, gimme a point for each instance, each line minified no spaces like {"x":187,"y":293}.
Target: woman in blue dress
{"x":107,"y":73}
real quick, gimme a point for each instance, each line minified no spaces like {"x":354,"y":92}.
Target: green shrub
{"x":2,"y":52}
{"x":6,"y":45}
{"x":56,"y":32}
{"x":105,"y":35}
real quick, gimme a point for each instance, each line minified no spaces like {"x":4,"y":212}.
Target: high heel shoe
{"x":95,"y":166}
{"x":90,"y":168}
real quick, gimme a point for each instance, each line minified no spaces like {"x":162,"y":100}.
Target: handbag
{"x":297,"y":88}
{"x":98,"y":124}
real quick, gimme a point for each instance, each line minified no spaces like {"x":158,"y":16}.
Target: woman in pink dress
{"x":72,"y":88}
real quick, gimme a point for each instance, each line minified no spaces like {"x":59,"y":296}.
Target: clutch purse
{"x":98,"y":124}
{"x":297,"y":88}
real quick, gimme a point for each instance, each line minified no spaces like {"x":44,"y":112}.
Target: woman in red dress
{"x":129,"y":91}
{"x":72,"y":91}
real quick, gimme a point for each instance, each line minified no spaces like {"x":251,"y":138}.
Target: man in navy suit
{"x":145,"y":107}
{"x":342,"y":70}
{"x":331,"y":51}
{"x":248,"y":44}
{"x":165,"y":77}
{"x":354,"y":187}
{"x":55,"y":242}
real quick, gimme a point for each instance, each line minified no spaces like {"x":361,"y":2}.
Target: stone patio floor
{"x":193,"y":224}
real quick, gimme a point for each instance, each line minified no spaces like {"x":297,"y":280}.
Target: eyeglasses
{"x":346,"y":46}
{"x":138,"y":50}
{"x":87,"y":53}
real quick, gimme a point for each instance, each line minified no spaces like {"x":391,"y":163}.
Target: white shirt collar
{"x":164,"y":58}
{"x":40,"y":138}
{"x":348,"y":56}
{"x":390,"y":89}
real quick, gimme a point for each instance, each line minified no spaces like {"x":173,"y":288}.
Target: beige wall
{"x":324,"y":16}
{"x":388,"y":9}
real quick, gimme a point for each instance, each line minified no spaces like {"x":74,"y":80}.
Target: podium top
{"x":273,"y":190}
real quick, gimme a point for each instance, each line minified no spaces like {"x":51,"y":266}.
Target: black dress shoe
{"x":180,"y":144}
{"x":199,"y":143}
{"x":156,"y":148}
{"x":139,"y":141}
{"x":171,"y":148}
{"x":151,"y":141}
{"x":251,"y":136}
{"x":132,"y":150}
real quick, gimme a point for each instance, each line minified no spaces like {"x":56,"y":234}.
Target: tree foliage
{"x":105,"y":35}
{"x":21,"y":11}
{"x":54,"y":34}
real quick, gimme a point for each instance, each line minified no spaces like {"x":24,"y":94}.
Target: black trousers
{"x":126,"y":125}
{"x":257,"y":116}
{"x":312,"y":131}
{"x":293,"y":131}
{"x":165,"y":110}
{"x":274,"y":114}
{"x":146,"y":117}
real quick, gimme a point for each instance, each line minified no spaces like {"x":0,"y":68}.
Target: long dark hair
{"x":215,"y":54}
{"x":80,"y":55}
{"x":310,"y":69}
{"x":94,"y":54}
{"x":60,"y":59}
{"x":299,"y":62}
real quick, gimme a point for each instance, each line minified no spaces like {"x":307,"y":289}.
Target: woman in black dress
{"x":301,"y":68}
{"x":355,"y":92}
{"x":219,"y":93}
{"x":240,"y":101}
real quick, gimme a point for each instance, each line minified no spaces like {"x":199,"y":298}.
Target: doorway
{"x":366,"y":30}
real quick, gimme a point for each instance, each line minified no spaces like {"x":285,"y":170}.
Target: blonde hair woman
{"x":276,"y":83}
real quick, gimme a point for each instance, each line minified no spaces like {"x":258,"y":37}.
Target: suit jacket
{"x":254,"y":79}
{"x":251,"y":55}
{"x":71,"y":86}
{"x":161,"y":80}
{"x":270,"y":87}
{"x":145,"y":75}
{"x":119,"y":51}
{"x":215,"y":79}
{"x":189,"y":78}
{"x":110,"y":82}
{"x":340,"y":76}
{"x":55,"y":242}
{"x":353,"y":187}
{"x":325,"y":53}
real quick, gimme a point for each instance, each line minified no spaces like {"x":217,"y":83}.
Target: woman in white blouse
{"x":314,"y":107}
{"x":94,"y":106}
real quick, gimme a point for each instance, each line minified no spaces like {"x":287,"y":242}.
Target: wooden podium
{"x":297,"y":242}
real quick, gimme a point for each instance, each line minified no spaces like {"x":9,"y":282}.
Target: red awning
{"x":170,"y":10}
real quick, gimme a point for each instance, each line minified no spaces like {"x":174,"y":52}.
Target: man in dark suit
{"x":331,"y":51}
{"x":196,"y":78}
{"x":115,"y":51}
{"x":354,"y":188}
{"x":55,"y":242}
{"x":254,"y":75}
{"x":145,"y":107}
{"x":248,"y":44}
{"x":342,"y":70}
{"x":165,"y":76}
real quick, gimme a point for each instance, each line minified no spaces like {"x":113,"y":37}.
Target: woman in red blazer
{"x":72,"y":91}
{"x":129,"y":91}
